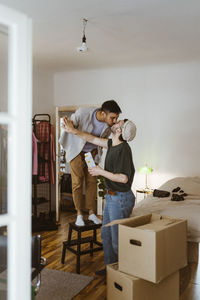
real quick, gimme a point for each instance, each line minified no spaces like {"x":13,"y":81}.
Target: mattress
{"x":188,"y":209}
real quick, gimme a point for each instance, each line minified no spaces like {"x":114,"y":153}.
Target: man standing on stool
{"x":97,"y":122}
{"x":118,"y":173}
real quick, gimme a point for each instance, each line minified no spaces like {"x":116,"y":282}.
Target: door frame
{"x":18,"y":121}
{"x":61,"y":109}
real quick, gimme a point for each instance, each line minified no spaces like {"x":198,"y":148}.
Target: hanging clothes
{"x":34,"y":155}
{"x":46,"y":151}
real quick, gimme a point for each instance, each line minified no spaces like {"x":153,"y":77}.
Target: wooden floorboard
{"x":96,"y":290}
{"x":52,"y":251}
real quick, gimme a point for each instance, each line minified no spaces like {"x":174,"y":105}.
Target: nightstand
{"x":145,"y":192}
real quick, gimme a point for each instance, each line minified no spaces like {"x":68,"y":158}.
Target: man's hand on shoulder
{"x":68,"y":125}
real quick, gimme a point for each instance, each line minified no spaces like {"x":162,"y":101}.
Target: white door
{"x":57,"y":166}
{"x":15,"y":155}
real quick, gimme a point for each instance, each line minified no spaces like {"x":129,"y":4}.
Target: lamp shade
{"x":145,"y":170}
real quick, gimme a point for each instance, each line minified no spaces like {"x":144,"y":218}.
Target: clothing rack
{"x":41,"y":182}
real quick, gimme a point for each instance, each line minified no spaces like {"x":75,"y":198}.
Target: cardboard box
{"x":123,"y":286}
{"x":152,"y":246}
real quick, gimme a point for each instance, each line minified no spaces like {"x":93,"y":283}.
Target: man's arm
{"x":96,"y":171}
{"x":69,"y":127}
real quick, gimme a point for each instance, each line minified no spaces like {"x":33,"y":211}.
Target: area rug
{"x":60,"y":285}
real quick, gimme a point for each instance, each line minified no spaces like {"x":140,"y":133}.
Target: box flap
{"x":134,"y":221}
{"x":149,"y":221}
{"x":158,"y":225}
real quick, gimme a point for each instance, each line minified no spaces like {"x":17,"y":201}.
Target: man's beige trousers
{"x":79,"y":171}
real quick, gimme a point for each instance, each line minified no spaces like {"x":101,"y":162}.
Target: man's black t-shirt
{"x":119,"y":160}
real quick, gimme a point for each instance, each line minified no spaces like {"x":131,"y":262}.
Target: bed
{"x":188,"y":209}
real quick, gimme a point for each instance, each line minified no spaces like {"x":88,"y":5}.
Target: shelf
{"x":145,"y":191}
{"x":66,"y":194}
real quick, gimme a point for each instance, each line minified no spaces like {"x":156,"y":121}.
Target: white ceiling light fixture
{"x":83,"y":48}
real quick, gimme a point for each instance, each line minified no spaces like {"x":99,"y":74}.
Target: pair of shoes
{"x":101,"y":272}
{"x":178,"y":194}
{"x":94,"y":219}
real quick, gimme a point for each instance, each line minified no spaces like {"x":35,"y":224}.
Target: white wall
{"x":43,"y":92}
{"x":164,"y":103}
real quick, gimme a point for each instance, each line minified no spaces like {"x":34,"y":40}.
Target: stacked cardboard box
{"x":152,"y":249}
{"x":123,"y":286}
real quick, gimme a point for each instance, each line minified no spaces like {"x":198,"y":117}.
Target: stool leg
{"x":91,"y":248}
{"x":78,"y":252}
{"x":64,"y":244}
{"x":63,"y":254}
{"x":94,"y":235}
{"x":69,"y":235}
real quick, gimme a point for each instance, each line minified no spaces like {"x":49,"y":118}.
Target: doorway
{"x":63,"y":175}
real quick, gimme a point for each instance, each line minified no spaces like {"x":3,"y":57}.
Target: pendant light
{"x":83,"y":48}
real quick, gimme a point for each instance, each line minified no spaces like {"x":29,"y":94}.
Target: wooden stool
{"x":89,"y":225}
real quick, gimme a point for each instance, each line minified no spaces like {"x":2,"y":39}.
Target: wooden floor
{"x":192,"y":292}
{"x":52,"y":250}
{"x":96,"y":290}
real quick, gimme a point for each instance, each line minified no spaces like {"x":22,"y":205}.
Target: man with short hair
{"x":97,"y":122}
{"x":118,"y":173}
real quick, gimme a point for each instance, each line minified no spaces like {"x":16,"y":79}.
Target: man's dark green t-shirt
{"x":119,"y":160}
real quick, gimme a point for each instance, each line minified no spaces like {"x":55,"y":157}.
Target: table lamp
{"x":146,"y":170}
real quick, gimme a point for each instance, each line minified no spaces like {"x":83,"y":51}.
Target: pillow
{"x":190,"y":185}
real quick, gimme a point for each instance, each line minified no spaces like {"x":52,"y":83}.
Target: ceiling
{"x":119,"y":32}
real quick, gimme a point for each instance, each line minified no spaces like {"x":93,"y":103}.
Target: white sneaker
{"x":80,"y":221}
{"x":94,"y":219}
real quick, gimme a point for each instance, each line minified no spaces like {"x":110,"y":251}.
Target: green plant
{"x":101,"y":187}
{"x":32,"y":292}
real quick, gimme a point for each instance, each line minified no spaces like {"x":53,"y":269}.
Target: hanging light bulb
{"x":83,"y":48}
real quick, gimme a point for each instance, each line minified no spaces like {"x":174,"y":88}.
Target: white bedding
{"x":188,"y":209}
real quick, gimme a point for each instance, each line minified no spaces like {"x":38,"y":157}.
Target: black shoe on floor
{"x":101,"y":272}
